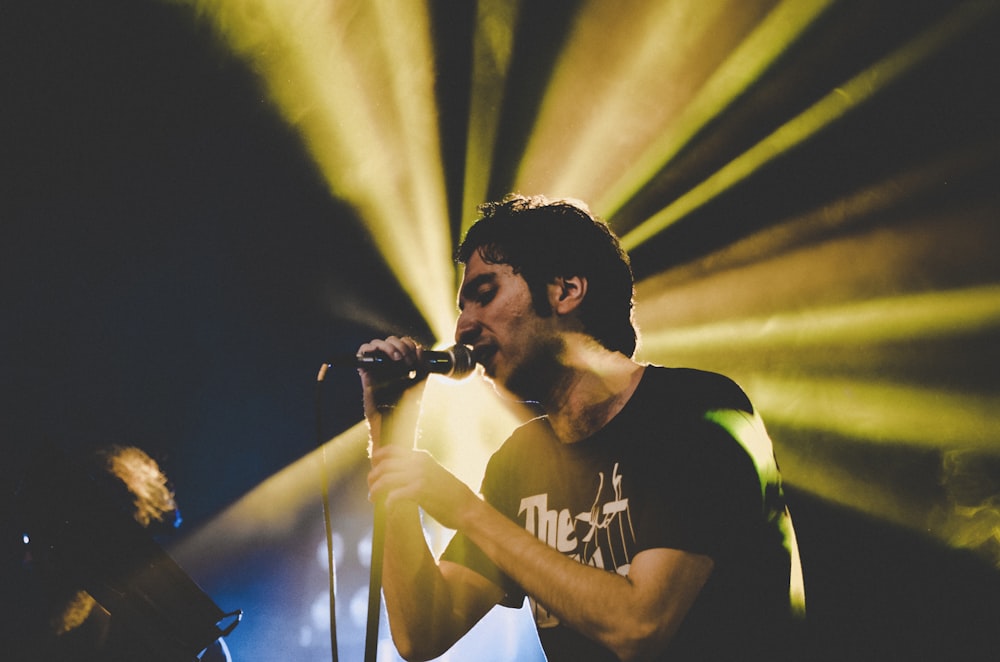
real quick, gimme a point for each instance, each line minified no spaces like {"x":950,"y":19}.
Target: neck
{"x":593,"y":386}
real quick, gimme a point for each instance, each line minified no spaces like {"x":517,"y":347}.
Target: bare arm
{"x":430,"y":606}
{"x":633,"y":616}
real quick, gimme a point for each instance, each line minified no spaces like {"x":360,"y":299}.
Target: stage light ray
{"x":745,"y":64}
{"x":908,"y":317}
{"x":356,"y":80}
{"x":888,"y":413}
{"x":860,"y":408}
{"x":602,"y":87}
{"x":840,"y":484}
{"x":837,"y":215}
{"x":946,"y":511}
{"x":819,"y":116}
{"x":271,"y":511}
{"x":461,"y":421}
{"x":780,"y":314}
{"x":492,"y":49}
{"x":874,"y":262}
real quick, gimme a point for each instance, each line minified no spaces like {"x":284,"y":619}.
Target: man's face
{"x":509,"y":339}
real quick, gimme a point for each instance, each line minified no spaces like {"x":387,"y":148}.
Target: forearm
{"x":629,"y":619}
{"x":417,"y":598}
{"x":582,"y":597}
{"x":428,"y":609}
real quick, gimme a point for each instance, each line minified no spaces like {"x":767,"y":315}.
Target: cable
{"x":325,"y":490}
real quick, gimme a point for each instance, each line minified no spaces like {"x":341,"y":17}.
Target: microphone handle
{"x":454,"y":362}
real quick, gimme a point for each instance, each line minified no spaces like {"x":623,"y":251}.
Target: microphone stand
{"x":378,"y":546}
{"x":325,"y":491}
{"x":375,"y":584}
{"x":456,"y":362}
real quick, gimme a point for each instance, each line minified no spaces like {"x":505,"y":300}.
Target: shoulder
{"x":531,"y":429}
{"x":529,"y":437}
{"x":695,"y":390}
{"x":709,"y":415}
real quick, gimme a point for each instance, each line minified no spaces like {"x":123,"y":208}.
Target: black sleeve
{"x":709,"y":502}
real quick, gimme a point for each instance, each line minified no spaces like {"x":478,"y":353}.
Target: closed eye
{"x":480,"y":290}
{"x":485,"y":295}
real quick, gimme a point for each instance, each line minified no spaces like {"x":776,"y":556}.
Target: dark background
{"x":168,"y":249}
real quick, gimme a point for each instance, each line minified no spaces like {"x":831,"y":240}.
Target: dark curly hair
{"x":542,"y":239}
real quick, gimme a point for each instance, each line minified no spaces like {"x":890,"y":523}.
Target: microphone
{"x":455,"y":362}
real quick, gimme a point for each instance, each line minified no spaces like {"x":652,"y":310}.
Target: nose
{"x":467,"y":329}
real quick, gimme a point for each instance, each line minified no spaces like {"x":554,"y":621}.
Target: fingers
{"x":392,"y":461}
{"x":382,"y":387}
{"x":395,"y":474}
{"x":397,"y":349}
{"x":401,"y":476}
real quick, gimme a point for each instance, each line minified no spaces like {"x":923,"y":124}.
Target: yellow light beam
{"x":856,"y":207}
{"x":882,"y":412}
{"x":973,"y":526}
{"x":826,"y":269}
{"x":461,"y":422}
{"x":783,"y":25}
{"x":356,"y":79}
{"x":820,"y":115}
{"x":927,"y":315}
{"x":492,"y":49}
{"x":854,"y":408}
{"x":840,"y":485}
{"x":628,"y":68}
{"x":406,"y":44}
{"x":271,"y":510}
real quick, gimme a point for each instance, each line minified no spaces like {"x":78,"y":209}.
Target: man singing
{"x":642,"y":515}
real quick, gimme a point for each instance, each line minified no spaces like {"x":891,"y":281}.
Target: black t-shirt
{"x":685,"y":465}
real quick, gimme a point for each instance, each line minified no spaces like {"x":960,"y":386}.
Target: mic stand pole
{"x":325,"y":492}
{"x":375,"y":583}
{"x":378,"y":545}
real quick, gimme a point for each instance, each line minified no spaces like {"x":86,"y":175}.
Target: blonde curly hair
{"x":146,"y":482}
{"x":152,"y":501}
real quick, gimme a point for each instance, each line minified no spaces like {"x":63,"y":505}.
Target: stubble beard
{"x":537,"y":376}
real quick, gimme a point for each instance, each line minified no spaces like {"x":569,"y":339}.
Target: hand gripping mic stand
{"x":378,"y":534}
{"x":390,"y":425}
{"x":456,"y":362}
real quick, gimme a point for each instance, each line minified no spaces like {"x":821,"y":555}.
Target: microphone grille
{"x":462,"y":362}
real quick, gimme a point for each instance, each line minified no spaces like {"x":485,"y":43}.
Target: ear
{"x":566,"y":293}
